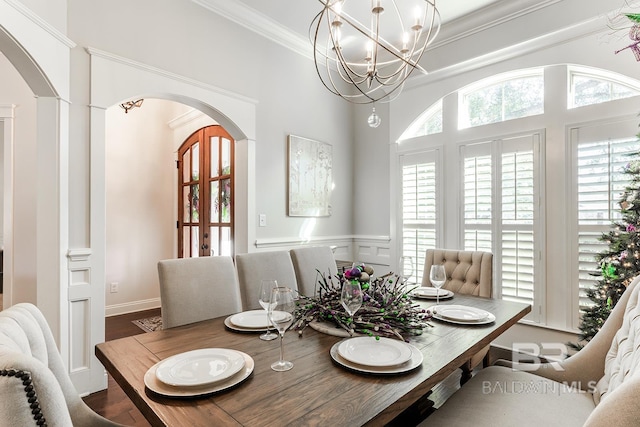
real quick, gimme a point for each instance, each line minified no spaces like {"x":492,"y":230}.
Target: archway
{"x":114,"y":79}
{"x":42,"y":59}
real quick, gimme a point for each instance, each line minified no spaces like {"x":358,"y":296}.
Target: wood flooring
{"x":114,"y":404}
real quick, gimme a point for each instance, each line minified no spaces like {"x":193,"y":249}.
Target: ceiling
{"x":296,"y":15}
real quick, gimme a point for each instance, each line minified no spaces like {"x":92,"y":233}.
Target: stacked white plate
{"x":462,"y":314}
{"x":376,"y":356}
{"x":431,"y":293}
{"x":252,"y":320}
{"x":199,"y":372}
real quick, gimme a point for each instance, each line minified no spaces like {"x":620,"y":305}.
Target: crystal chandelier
{"x":364,"y":50}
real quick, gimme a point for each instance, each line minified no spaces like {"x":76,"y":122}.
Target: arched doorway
{"x":115,"y":79}
{"x":205,"y":193}
{"x":42,"y":59}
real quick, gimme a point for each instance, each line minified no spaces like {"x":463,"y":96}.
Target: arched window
{"x":427,"y":123}
{"x":502,"y":97}
{"x":589,"y":86}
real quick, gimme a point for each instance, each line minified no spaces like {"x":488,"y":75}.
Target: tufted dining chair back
{"x":35,"y":387}
{"x":468,"y":272}
{"x":196,"y":289}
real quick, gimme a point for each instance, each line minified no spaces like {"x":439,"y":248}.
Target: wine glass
{"x":266,"y":286}
{"x":281,"y":310}
{"x":406,"y":269}
{"x":437,"y":277}
{"x":351,"y":296}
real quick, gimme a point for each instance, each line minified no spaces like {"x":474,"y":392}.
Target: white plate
{"x":454,"y":315}
{"x":431,"y":293}
{"x":233,"y":327}
{"x":461,"y":313}
{"x":255,"y":318}
{"x":369,"y":351}
{"x":414,"y":362}
{"x":156,"y":386}
{"x":199,"y":367}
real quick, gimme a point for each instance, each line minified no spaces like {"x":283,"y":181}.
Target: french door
{"x":205,"y":194}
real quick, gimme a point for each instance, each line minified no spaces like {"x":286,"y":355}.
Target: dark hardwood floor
{"x":114,"y":404}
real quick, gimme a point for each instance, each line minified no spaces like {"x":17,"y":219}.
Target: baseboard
{"x":131,"y":307}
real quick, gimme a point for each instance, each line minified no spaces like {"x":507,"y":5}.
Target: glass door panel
{"x":225,"y":201}
{"x":205,"y":171}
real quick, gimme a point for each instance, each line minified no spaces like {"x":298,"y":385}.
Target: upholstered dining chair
{"x":467,"y":272}
{"x":598,"y":386}
{"x":256,"y":266}
{"x":195,"y":289}
{"x":35,"y":388}
{"x":307,"y":262}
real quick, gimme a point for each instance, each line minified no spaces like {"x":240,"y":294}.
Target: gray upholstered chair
{"x":195,"y":289}
{"x":468,"y":272}
{"x":598,"y":386}
{"x":256,"y":266}
{"x":307,"y":262}
{"x":35,"y":388}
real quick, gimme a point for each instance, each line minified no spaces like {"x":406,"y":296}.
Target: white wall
{"x":141,"y":186}
{"x":14,"y":90}
{"x":202,"y":46}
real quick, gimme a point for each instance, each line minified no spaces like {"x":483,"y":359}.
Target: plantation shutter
{"x":600,"y":161}
{"x":419,"y":214}
{"x":518,"y":212}
{"x":500,"y":187}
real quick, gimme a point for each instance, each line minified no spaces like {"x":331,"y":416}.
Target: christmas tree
{"x":620,"y":263}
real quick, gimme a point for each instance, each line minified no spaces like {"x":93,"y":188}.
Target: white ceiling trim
{"x":486,"y":18}
{"x":564,"y":35}
{"x":259,"y":23}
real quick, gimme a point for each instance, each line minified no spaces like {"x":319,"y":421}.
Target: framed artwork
{"x":310,"y":182}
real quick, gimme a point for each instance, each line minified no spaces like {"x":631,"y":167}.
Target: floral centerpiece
{"x":387,"y":310}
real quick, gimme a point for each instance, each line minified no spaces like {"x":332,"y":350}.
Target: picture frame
{"x":309,"y":177}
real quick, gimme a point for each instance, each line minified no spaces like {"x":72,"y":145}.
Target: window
{"x":500,"y":186}
{"x":419,"y":213}
{"x":427,"y":123}
{"x":489,"y":192}
{"x":501,"y":98}
{"x":599,"y":185}
{"x":588,"y":87}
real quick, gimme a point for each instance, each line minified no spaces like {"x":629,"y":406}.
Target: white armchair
{"x":598,"y":386}
{"x":35,"y":388}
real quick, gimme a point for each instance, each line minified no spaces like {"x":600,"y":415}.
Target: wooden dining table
{"x":317,"y":391}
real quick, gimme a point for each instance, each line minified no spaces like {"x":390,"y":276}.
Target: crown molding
{"x":564,"y":35}
{"x":260,"y":24}
{"x":486,"y":18}
{"x":185,"y":118}
{"x":158,"y":71}
{"x":29,"y":14}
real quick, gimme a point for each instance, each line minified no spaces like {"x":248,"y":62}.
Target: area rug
{"x":149,"y":324}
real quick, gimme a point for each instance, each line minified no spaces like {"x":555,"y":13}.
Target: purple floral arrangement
{"x":387,"y":310}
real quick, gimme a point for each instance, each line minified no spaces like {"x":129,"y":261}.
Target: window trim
{"x":597,"y":74}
